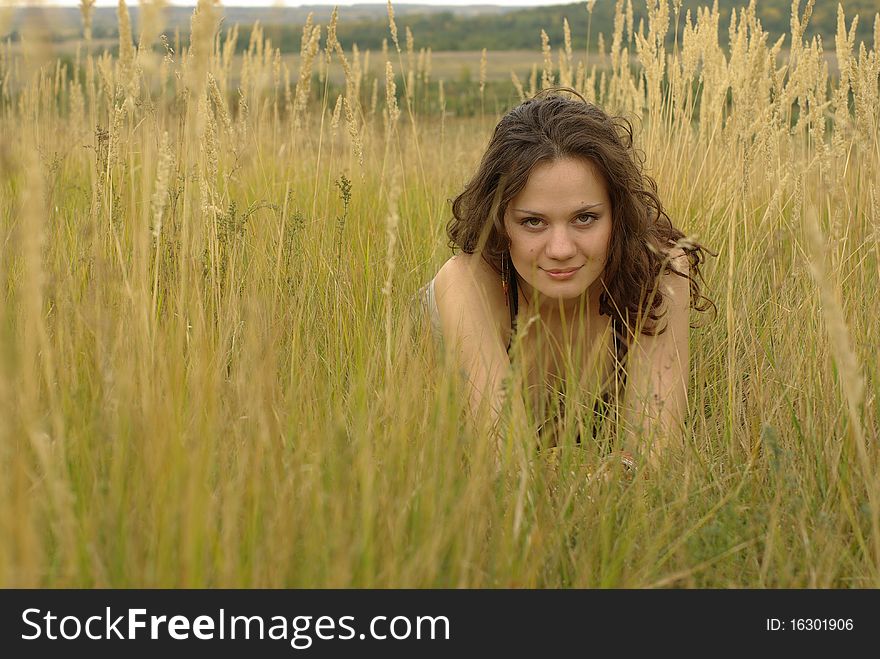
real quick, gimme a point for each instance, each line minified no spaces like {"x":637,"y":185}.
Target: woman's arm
{"x":470,"y":316}
{"x":655,"y":403}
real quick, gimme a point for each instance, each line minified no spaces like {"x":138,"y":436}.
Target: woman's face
{"x":560,"y":228}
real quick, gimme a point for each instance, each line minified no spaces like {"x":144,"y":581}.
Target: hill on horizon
{"x":452,"y":27}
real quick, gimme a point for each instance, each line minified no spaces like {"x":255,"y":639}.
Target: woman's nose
{"x":560,"y":245}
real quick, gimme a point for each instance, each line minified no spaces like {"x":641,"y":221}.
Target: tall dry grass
{"x":210,"y":374}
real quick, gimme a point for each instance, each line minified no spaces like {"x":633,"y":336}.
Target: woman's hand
{"x":609,"y":467}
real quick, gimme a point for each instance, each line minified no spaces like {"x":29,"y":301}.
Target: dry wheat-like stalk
{"x":877,"y":31}
{"x":844,"y":47}
{"x":483,"y":61}
{"x":210,"y":158}
{"x":866,"y":95}
{"x":351,"y":81}
{"x":337,"y":113}
{"x":227,"y":52}
{"x":391,"y":96}
{"x":160,"y":191}
{"x":517,"y":85}
{"x":428,"y":55}
{"x":798,"y":26}
{"x":851,"y":380}
{"x":875,"y":211}
{"x":116,"y":133}
{"x":420,"y":65}
{"x":85,"y":8}
{"x":357,"y":72}
{"x":203,"y":26}
{"x":628,"y":18}
{"x":310,"y":50}
{"x":580,"y":78}
{"x":277,"y":73}
{"x":652,"y":53}
{"x":409,"y":88}
{"x":393,"y":27}
{"x":150,"y":23}
{"x":219,"y":104}
{"x":616,"y":37}
{"x":533,"y":80}
{"x":410,"y":48}
{"x":547,"y":79}
{"x":354,"y":134}
{"x":566,"y":63}
{"x":331,"y":41}
{"x":106,"y":80}
{"x":366,"y":66}
{"x":77,"y":111}
{"x":849,"y":371}
{"x":374,"y":97}
{"x":392,"y":221}
{"x":306,"y":35}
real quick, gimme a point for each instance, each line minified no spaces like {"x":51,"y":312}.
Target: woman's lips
{"x":562,"y":274}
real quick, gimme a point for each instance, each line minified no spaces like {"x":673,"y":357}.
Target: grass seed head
{"x":391,"y":94}
{"x":547,"y":79}
{"x":392,"y":25}
{"x":85,"y":9}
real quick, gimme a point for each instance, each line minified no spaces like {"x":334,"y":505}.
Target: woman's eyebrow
{"x":579,"y":210}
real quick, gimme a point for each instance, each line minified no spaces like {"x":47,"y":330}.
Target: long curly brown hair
{"x":550,"y":126}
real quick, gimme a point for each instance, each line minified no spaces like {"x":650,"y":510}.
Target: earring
{"x":505,"y":278}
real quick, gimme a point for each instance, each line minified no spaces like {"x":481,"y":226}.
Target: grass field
{"x":210,"y":374}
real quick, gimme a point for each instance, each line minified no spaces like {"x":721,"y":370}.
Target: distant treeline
{"x":507,"y":29}
{"x":521,"y":29}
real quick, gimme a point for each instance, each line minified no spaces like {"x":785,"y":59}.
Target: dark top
{"x":601,"y":408}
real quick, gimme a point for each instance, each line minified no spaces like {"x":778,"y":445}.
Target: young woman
{"x":565,"y":247}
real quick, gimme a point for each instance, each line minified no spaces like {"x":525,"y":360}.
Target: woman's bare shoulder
{"x":677,"y":258}
{"x":467,"y":271}
{"x":467,"y":285}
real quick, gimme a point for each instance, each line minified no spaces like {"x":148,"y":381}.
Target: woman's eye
{"x":536,"y":222}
